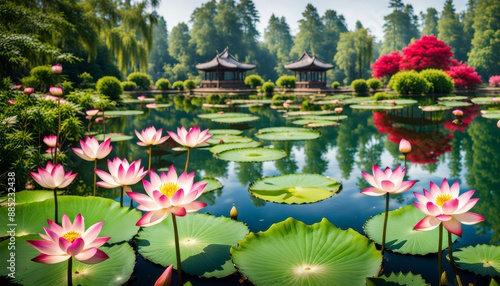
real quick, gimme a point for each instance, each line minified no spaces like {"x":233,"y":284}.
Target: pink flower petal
{"x":166,"y":277}
{"x":152,"y":218}
{"x":427,"y":223}
{"x":50,"y":259}
{"x":450,"y":206}
{"x":75,"y":247}
{"x":194,"y":206}
{"x":453,"y":226}
{"x":178,"y":211}
{"x":47,"y":247}
{"x":469,"y":218}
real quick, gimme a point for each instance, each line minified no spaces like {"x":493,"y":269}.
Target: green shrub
{"x":86,"y":80}
{"x":162,"y":84}
{"x":129,"y":85}
{"x":179,"y":85}
{"x":43,"y":77}
{"x":409,"y":82}
{"x":253,"y":80}
{"x":374,"y":83}
{"x":335,"y":84}
{"x":383,"y":95}
{"x":286,"y":81}
{"x":67,"y":86}
{"x":359,"y":85}
{"x":189,"y":84}
{"x":440,"y":81}
{"x":283,"y":97}
{"x":143,"y":80}
{"x":110,"y":86}
{"x":268,"y":87}
{"x":30,"y":81}
{"x":214,"y":99}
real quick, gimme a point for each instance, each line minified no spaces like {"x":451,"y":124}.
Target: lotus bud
{"x":338,"y":110}
{"x":29,"y":90}
{"x":404,"y":146}
{"x":498,"y":124}
{"x":56,"y":91}
{"x":458,"y":112}
{"x":92,"y":112}
{"x":57,"y":68}
{"x":233,"y":213}
{"x":166,"y":277}
{"x":141,"y":98}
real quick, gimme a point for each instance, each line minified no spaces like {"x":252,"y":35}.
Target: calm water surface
{"x":469,"y":153}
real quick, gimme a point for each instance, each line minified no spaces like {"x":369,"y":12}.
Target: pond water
{"x":469,"y":153}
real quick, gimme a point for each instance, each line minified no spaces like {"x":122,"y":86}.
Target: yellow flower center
{"x":443,"y":198}
{"x":71,"y":236}
{"x":169,"y":189}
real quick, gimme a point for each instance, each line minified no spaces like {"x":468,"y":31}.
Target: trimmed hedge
{"x":162,"y":84}
{"x":179,"y":85}
{"x":129,"y":85}
{"x":440,"y":81}
{"x":189,"y":84}
{"x":110,"y":86}
{"x":374,"y":83}
{"x":254,"y":81}
{"x":359,"y":85}
{"x":286,"y":81}
{"x":409,"y":82}
{"x":143,"y":80}
{"x":268,"y":87}
{"x":335,"y":84}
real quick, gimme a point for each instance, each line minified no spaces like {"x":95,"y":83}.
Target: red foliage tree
{"x":464,"y":76}
{"x":428,"y":52}
{"x":386,"y":65}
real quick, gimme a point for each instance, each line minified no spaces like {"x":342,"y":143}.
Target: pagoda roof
{"x":225,"y":60}
{"x":307,"y":61}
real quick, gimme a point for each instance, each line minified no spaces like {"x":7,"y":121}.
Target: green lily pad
{"x":294,"y":188}
{"x":223,"y":115}
{"x":237,"y":119}
{"x":455,"y":103}
{"x":214,"y":105}
{"x":401,"y":237}
{"x":228,"y":146}
{"x":405,"y":102}
{"x":491,"y":114}
{"x":289,"y":135}
{"x":204,"y":239}
{"x":482,"y":259}
{"x":305,"y":113}
{"x":282,"y":129}
{"x":397,"y":279}
{"x":293,"y":253}
{"x":484,"y":100}
{"x":159,"y":105}
{"x":114,"y":271}
{"x":453,"y":98}
{"x":225,"y":131}
{"x":119,"y":222}
{"x":249,"y":101}
{"x":118,"y":113}
{"x":315,"y":123}
{"x":432,"y":108}
{"x":325,"y":117}
{"x":228,"y":139}
{"x":212,"y":184}
{"x":115,"y":137}
{"x":376,"y":106}
{"x":24,"y":197}
{"x":134,"y":100}
{"x":258,"y":154}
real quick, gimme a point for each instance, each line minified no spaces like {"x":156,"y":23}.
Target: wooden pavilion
{"x":224,"y":71}
{"x":309,"y":70}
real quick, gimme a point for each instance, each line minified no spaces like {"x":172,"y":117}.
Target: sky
{"x":370,"y":12}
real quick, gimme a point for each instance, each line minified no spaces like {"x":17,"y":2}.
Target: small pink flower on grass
{"x":444,"y":205}
{"x":386,"y":181}
{"x":91,"y":149}
{"x":50,"y":140}
{"x":70,"y":240}
{"x":150,"y":136}
{"x":53,"y":176}
{"x":121,"y":173}
{"x":192,"y":138}
{"x":167,"y":193}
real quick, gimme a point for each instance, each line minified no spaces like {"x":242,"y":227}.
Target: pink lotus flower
{"x":166,"y":277}
{"x":141,"y":98}
{"x":50,"y":140}
{"x":498,"y":123}
{"x":338,"y":110}
{"x":458,"y":113}
{"x":191,"y":138}
{"x":28,"y":90}
{"x":70,"y":240}
{"x":11,"y":101}
{"x":57,"y":68}
{"x":91,"y":149}
{"x":56,"y":91}
{"x":167,"y":194}
{"x":404,"y":146}
{"x":387,"y":181}
{"x":150,"y":136}
{"x":121,"y":173}
{"x":53,"y":176}
{"x":444,"y":205}
{"x":92,"y":112}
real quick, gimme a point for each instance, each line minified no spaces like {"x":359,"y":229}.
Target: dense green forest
{"x":117,"y":37}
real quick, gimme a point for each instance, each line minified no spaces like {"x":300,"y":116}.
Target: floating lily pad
{"x":295,"y":188}
{"x":228,"y":146}
{"x":455,"y":103}
{"x":212,"y":105}
{"x":259,"y":154}
{"x":325,"y":117}
{"x":491,"y":114}
{"x":159,"y":105}
{"x":400,"y":101}
{"x":212,"y":184}
{"x":223,"y":115}
{"x":432,"y":108}
{"x":204,"y":239}
{"x":115,"y":137}
{"x":289,"y":135}
{"x":134,"y":100}
{"x":304,"y":113}
{"x":485,"y":100}
{"x":249,"y":101}
{"x":118,"y":113}
{"x":282,"y":129}
{"x":401,"y":237}
{"x":375,"y":106}
{"x":358,"y":100}
{"x":453,"y":98}
{"x":315,"y":123}
{"x":24,"y":197}
{"x":225,"y":131}
{"x":293,"y":253}
{"x":114,"y":271}
{"x":237,"y":119}
{"x":228,"y":139}
{"x":119,"y":222}
{"x":482,"y":259}
{"x":397,"y":279}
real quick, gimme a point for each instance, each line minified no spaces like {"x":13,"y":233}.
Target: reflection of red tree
{"x":427,"y":146}
{"x":470,"y":113}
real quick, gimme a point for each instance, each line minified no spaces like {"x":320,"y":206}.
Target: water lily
{"x":149,"y":137}
{"x":166,"y":277}
{"x":53,"y":177}
{"x":92,"y":112}
{"x":62,"y":243}
{"x":50,"y":140}
{"x":190,"y":139}
{"x":444,"y":205}
{"x":121,"y":174}
{"x":141,"y":98}
{"x":458,"y":113}
{"x":57,"y":68}
{"x":91,"y":149}
{"x":404,"y":146}
{"x":386,"y":181}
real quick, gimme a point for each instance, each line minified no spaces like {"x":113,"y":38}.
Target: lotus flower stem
{"x":121,"y":196}
{"x":405,"y":160}
{"x":56,"y":220}
{"x":177,"y":251}
{"x":386,"y":216}
{"x":452,"y":260}
{"x":150,"y":151}
{"x":58,"y":128}
{"x":187,"y":159}
{"x":95,"y":178}
{"x":103,"y":124}
{"x":440,"y":253}
{"x":70,"y":271}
